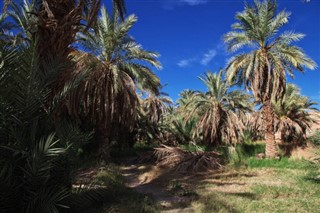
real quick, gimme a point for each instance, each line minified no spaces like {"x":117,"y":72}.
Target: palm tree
{"x":185,"y":131}
{"x":263,"y":69}
{"x":293,"y":117}
{"x":217,"y":109}
{"x":119,"y":4}
{"x":185,"y":97}
{"x":5,"y":27}
{"x":151,"y":122}
{"x":35,"y":155}
{"x":155,"y":106}
{"x":57,"y":23}
{"x":118,"y":65}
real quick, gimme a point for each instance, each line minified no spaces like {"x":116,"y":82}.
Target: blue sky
{"x":188,"y":35}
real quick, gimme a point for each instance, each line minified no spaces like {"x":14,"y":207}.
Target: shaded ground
{"x":255,"y":186}
{"x":266,"y":189}
{"x":146,"y":179}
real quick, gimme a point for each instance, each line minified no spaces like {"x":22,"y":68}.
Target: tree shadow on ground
{"x":158,"y":187}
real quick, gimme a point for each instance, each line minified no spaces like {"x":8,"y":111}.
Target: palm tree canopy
{"x":263,"y":69}
{"x":155,"y":107}
{"x":293,"y":117}
{"x":119,"y":4}
{"x":111,"y":44}
{"x":217,"y":109}
{"x":118,"y":64}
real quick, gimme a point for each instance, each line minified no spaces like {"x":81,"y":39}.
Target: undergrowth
{"x":315,"y":138}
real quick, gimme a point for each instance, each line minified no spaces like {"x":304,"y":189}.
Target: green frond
{"x":263,"y":69}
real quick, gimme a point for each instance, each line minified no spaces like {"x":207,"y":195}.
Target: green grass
{"x":283,"y":163}
{"x":265,"y":186}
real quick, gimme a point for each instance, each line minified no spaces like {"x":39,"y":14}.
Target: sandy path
{"x":153,"y":189}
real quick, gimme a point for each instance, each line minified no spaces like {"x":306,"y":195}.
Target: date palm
{"x":185,"y":97}
{"x":152,"y":117}
{"x":217,"y":110}
{"x":185,"y":131}
{"x":58,"y":22}
{"x":293,"y":117}
{"x":118,"y":65}
{"x":270,"y":56}
{"x":155,"y":106}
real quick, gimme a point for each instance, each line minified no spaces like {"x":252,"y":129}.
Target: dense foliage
{"x":74,"y":85}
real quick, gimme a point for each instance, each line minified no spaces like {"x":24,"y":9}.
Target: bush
{"x":236,"y":156}
{"x":251,"y":150}
{"x":315,"y":138}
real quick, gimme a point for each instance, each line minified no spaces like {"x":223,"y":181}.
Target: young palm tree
{"x":293,"y":118}
{"x":118,"y":65}
{"x":263,"y":69}
{"x":217,"y":109}
{"x":36,"y":154}
{"x":185,"y":132}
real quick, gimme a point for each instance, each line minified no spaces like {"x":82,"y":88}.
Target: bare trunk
{"x":268,"y":118}
{"x":105,"y":147}
{"x":278,"y":138}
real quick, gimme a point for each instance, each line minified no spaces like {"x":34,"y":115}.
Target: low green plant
{"x":252,"y":149}
{"x":236,"y":156}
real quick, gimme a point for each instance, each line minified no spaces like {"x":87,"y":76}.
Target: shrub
{"x":315,"y":138}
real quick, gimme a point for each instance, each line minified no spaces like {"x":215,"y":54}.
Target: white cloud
{"x":171,"y":4}
{"x":184,"y":63}
{"x":194,"y":2}
{"x":204,"y":59}
{"x":207,"y":57}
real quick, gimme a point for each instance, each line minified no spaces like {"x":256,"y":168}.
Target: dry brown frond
{"x":185,"y":161}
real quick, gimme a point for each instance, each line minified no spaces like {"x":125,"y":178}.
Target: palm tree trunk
{"x":278,"y":138}
{"x":268,"y":118}
{"x":105,"y":147}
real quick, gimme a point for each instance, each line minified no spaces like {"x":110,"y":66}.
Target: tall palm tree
{"x":120,"y":5}
{"x":263,"y":69}
{"x":57,"y":24}
{"x":293,"y":117}
{"x":217,"y":109}
{"x":118,"y":65}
